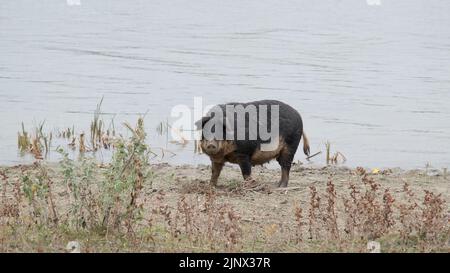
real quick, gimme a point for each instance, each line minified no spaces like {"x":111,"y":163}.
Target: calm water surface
{"x":373,"y":80}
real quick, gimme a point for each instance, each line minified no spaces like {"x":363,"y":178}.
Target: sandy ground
{"x":263,"y":200}
{"x":260,"y":203}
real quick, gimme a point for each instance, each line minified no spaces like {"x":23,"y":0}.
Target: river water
{"x":374,"y":80}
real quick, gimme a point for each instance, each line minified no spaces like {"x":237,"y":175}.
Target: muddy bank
{"x":268,"y":218}
{"x":186,"y":178}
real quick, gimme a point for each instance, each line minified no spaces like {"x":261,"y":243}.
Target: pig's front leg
{"x":216,"y":168}
{"x":246,"y":167}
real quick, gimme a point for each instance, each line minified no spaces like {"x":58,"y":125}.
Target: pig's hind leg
{"x":285,"y":160}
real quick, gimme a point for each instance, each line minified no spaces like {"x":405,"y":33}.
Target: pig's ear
{"x":200,"y":123}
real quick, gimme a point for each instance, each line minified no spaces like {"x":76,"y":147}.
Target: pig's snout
{"x":211,"y":147}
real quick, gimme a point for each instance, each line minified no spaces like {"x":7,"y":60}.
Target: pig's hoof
{"x":282,"y":184}
{"x":250,"y":179}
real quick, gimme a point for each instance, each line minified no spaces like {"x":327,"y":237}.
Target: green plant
{"x":125,"y":176}
{"x":38,"y":192}
{"x":80,"y":183}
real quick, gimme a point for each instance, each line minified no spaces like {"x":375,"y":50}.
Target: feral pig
{"x":251,"y":134}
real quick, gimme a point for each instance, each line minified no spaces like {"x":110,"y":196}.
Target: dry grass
{"x":37,"y":144}
{"x":335,"y":158}
{"x":115,"y":207}
{"x":372,"y":213}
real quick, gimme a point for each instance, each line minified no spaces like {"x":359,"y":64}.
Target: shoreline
{"x":259,"y":216}
{"x":431,"y":170}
